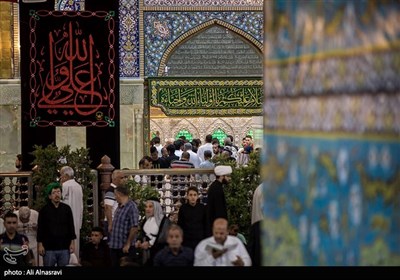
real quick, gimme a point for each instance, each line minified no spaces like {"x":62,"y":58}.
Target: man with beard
{"x":216,"y":203}
{"x":56,"y":231}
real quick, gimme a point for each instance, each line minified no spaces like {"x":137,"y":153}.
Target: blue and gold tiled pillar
{"x":331,"y":161}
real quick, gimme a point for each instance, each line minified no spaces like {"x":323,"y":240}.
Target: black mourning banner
{"x":73,"y":75}
{"x":69,"y":75}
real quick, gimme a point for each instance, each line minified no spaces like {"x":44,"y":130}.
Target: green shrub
{"x":140,"y":194}
{"x":49,"y":161}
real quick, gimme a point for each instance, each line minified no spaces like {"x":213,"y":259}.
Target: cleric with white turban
{"x":222,"y":170}
{"x":216,"y":202}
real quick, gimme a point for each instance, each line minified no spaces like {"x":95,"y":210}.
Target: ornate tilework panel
{"x":68,"y":5}
{"x":331,"y":201}
{"x":358,"y":73}
{"x":340,"y":25}
{"x":163,"y":28}
{"x":216,"y":51}
{"x":353,"y":46}
{"x":331,"y":134}
{"x":197,"y":3}
{"x":129,"y":38}
{"x":358,"y":113}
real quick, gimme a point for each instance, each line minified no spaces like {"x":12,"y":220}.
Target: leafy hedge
{"x":140,"y":194}
{"x":49,"y":161}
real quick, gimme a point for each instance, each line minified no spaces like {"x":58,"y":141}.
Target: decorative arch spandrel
{"x":185,"y":124}
{"x":200,"y":28}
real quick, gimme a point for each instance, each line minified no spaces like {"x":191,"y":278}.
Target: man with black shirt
{"x":14,"y":250}
{"x":216,"y":202}
{"x":56,"y":230}
{"x":96,"y":253}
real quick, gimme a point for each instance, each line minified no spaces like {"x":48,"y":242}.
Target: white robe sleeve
{"x":203,"y":257}
{"x":66,"y":194}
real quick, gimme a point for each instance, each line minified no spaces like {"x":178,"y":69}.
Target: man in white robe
{"x":221,"y":249}
{"x":73,"y":196}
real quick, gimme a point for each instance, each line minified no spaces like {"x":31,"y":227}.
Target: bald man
{"x":27,"y":224}
{"x":118,"y":178}
{"x":221,"y":249}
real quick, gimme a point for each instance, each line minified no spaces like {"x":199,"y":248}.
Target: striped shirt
{"x":109,"y":199}
{"x":181,"y":164}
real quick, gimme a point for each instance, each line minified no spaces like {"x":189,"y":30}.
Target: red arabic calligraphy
{"x":73,"y":81}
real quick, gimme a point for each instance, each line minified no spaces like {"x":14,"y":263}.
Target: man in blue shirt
{"x":124,"y":227}
{"x":174,"y":254}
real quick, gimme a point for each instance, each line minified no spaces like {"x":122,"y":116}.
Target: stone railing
{"x":170,"y":183}
{"x":173,"y":183}
{"x":16,"y":190}
{"x":93,"y":201}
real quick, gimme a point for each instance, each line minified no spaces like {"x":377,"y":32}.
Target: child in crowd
{"x":192,"y":219}
{"x":96,"y":253}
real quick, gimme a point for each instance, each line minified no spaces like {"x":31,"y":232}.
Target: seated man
{"x":96,"y":253}
{"x":174,"y":254}
{"x":221,"y":249}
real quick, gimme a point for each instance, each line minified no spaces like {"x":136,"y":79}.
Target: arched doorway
{"x":213,"y":59}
